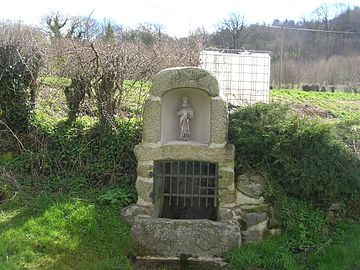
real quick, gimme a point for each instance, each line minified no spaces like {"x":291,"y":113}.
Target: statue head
{"x":185,"y":100}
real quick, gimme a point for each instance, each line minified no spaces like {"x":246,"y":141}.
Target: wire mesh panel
{"x":188,"y":189}
{"x":244,"y":76}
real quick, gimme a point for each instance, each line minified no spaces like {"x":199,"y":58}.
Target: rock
{"x":275,"y":231}
{"x":251,"y":185}
{"x":243,"y":199}
{"x":251,"y":236}
{"x":335,"y":212}
{"x":253,"y":225}
{"x":251,"y":219}
{"x":219,"y":112}
{"x":174,"y":237}
{"x":226,"y":214}
{"x":274,"y":224}
{"x":261,"y":227}
{"x":255,"y":207}
{"x":335,"y":207}
{"x":230,"y":214}
{"x":155,"y":263}
{"x":130,"y":212}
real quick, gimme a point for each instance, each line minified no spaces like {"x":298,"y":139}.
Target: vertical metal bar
{"x":185,"y":179}
{"x":154,"y":175}
{"x":216,"y":185}
{"x":200,"y":171}
{"x":177,"y":183}
{"x":192,"y":183}
{"x":163,"y":179}
{"x":170,"y":178}
{"x":207,"y":184}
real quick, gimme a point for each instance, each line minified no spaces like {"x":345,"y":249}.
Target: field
{"x":327,"y":105}
{"x":68,"y":216}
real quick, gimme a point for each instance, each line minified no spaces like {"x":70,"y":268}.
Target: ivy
{"x":18,"y":73}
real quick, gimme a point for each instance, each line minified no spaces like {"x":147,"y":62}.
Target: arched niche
{"x":199,"y":101}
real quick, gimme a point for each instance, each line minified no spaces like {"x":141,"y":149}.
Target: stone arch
{"x":186,"y":77}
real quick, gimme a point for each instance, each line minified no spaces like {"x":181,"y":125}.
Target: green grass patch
{"x":60,"y":232}
{"x":269,"y":254}
{"x":340,"y":105}
{"x":55,"y":81}
{"x":342,"y":250}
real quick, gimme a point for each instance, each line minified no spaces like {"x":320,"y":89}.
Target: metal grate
{"x":186,"y":183}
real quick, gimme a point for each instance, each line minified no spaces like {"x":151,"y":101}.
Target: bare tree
{"x":73,"y":27}
{"x":322,"y":14}
{"x":231,"y":31}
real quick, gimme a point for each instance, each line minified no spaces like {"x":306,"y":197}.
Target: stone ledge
{"x":197,"y":152}
{"x":192,"y":237}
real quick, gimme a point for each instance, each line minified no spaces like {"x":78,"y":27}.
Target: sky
{"x":178,"y":18}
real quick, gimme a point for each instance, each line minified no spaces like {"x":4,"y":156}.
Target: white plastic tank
{"x":244,"y":76}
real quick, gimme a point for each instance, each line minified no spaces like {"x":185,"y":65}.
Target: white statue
{"x":185,"y":112}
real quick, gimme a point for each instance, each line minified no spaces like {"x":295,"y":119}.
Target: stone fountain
{"x":188,"y":203}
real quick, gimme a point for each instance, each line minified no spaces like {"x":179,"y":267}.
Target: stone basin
{"x":198,"y":238}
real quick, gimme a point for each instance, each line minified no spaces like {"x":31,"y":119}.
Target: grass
{"x":62,"y":232}
{"x":343,"y":250}
{"x":339,"y":105}
{"x":54,"y":81}
{"x":269,"y":254}
{"x":340,"y":252}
